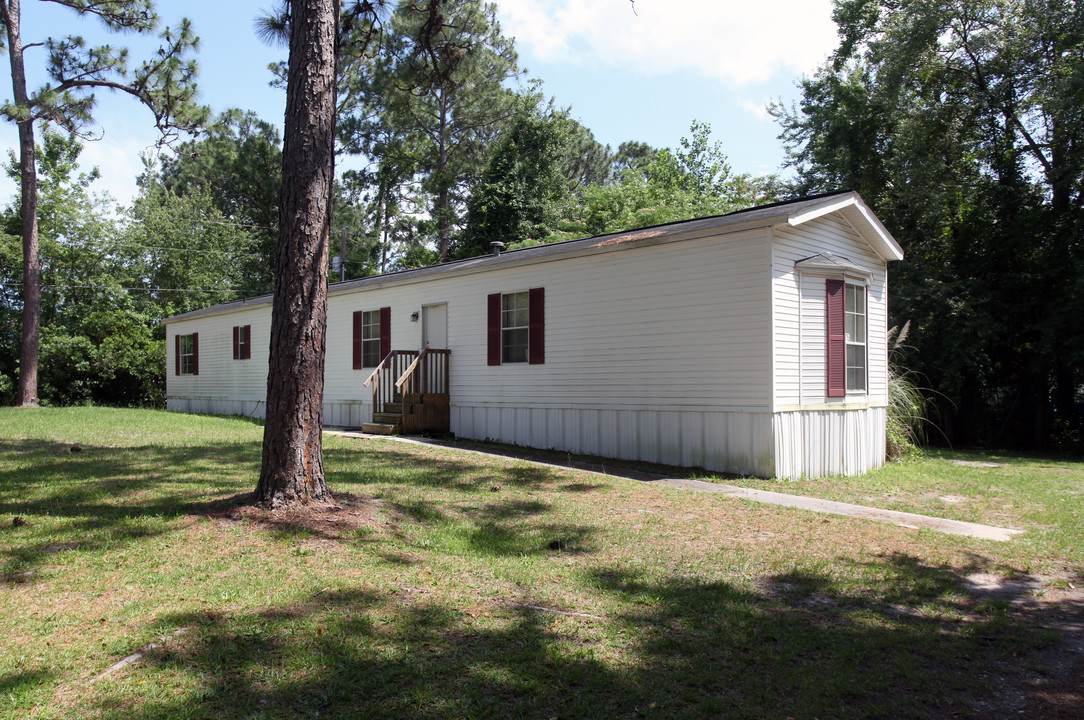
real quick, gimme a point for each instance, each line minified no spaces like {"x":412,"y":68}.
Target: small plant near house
{"x":906,"y":404}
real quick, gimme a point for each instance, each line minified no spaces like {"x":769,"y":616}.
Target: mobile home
{"x":753,"y":342}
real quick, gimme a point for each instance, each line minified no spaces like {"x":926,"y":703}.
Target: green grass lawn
{"x":455,"y":585}
{"x":1043,"y":496}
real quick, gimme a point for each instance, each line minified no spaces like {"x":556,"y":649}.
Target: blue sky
{"x":642,"y":72}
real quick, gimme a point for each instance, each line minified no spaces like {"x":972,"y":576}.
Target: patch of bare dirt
{"x":347,"y":512}
{"x":1051,"y":683}
{"x":978,"y":463}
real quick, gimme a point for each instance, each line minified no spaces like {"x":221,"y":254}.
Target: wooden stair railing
{"x":383,"y":377}
{"x":427,"y":374}
{"x":423,"y":387}
{"x":410,"y":392}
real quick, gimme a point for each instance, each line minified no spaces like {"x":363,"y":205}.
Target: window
{"x":846,"y":321}
{"x":855,"y":334}
{"x":372,"y":337}
{"x":515,"y":324}
{"x":517,"y":327}
{"x":242,"y":342}
{"x":186,"y":354}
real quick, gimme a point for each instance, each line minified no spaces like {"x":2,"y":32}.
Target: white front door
{"x":435,"y":326}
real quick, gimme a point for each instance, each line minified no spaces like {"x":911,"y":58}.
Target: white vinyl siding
{"x":234,"y":387}
{"x":800,"y":340}
{"x":673,"y":326}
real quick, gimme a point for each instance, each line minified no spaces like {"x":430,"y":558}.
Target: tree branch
{"x":984,"y":88}
{"x":106,"y":10}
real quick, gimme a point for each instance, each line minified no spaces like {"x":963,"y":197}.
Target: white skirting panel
{"x":734,"y":442}
{"x":807,"y":443}
{"x":347,"y":413}
{"x":815,"y":443}
{"x":338,"y":413}
{"x":216,"y":406}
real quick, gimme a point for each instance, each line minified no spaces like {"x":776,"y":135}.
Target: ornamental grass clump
{"x":907,"y":405}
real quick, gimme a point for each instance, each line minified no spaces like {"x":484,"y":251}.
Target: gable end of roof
{"x":852,"y":207}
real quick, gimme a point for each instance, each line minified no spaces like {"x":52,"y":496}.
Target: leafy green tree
{"x":631,"y":155}
{"x":443,"y":78}
{"x":97,"y":343}
{"x":182,"y":252}
{"x":238,"y":162}
{"x":960,"y":122}
{"x":660,"y":186}
{"x":164,"y":83}
{"x":542,"y":157}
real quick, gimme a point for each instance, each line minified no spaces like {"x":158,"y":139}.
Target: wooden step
{"x":393,"y":408}
{"x":377,"y":428}
{"x":388,"y":418}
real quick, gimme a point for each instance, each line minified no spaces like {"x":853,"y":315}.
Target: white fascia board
{"x":852,"y":207}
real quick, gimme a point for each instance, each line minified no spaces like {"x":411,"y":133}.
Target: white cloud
{"x":759,"y":110}
{"x":738,"y":43}
{"x":115,"y":154}
{"x":118,"y":160}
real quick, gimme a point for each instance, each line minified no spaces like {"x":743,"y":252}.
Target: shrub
{"x":907,"y":406}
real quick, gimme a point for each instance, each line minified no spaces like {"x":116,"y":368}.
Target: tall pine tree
{"x":165,"y":83}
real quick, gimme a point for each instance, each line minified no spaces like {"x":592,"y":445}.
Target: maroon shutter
{"x":236,"y":342}
{"x":493,"y":329}
{"x":195,"y":353}
{"x":536,"y":332}
{"x":176,"y":354}
{"x":837,"y":341}
{"x":385,"y":332}
{"x":248,"y":343}
{"x":357,"y":340}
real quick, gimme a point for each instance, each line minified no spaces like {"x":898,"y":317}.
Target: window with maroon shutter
{"x":186,"y":350}
{"x":516,"y":327}
{"x":837,"y":341}
{"x":176,"y":354}
{"x":372,"y":337}
{"x":242,"y":342}
{"x":854,"y":331}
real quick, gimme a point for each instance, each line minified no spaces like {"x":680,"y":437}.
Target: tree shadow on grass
{"x":362,"y":465}
{"x":670,"y":647}
{"x":105,"y":498}
{"x":16,"y":686}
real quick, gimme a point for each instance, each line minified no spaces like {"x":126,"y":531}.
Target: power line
{"x":194,"y":250}
{"x":108,"y":287}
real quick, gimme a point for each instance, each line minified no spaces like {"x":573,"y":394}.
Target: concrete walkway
{"x":903,"y":519}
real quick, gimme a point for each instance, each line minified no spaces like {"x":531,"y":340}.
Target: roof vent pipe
{"x":496,"y":246}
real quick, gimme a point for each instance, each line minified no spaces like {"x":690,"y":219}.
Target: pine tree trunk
{"x":444,"y":195}
{"x":292,"y":470}
{"x":26,"y":394}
